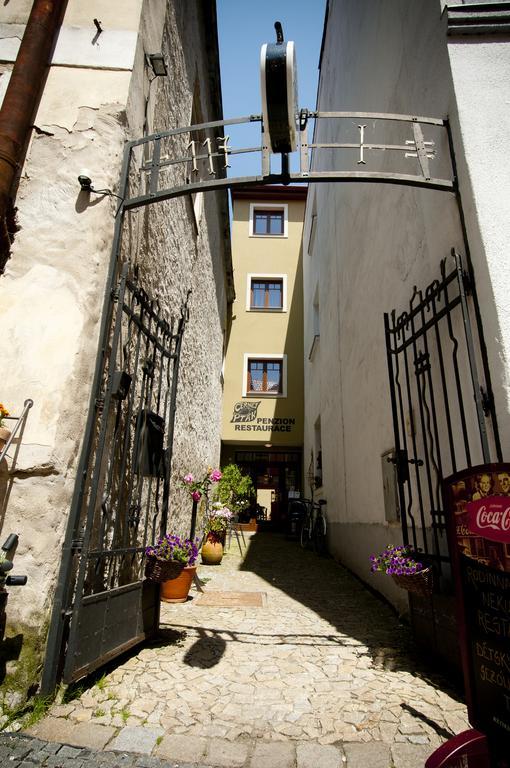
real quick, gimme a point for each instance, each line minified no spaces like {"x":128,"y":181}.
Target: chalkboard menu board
{"x":478,"y":514}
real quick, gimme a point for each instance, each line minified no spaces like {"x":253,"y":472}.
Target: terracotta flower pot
{"x":4,"y":436}
{"x":177,"y":590}
{"x":212,"y":550}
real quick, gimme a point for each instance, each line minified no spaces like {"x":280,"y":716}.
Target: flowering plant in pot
{"x":167,"y":558}
{"x":217,"y":522}
{"x":215,"y":530}
{"x":201,"y":488}
{"x":407,"y":572}
{"x":4,"y":432}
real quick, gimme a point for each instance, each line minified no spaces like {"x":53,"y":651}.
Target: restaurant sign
{"x":245,"y":419}
{"x":477,"y":506}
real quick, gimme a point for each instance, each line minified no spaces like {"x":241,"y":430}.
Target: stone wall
{"x":52,"y":292}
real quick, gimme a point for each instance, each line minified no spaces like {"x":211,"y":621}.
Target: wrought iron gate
{"x":443,"y":410}
{"x":122,"y":497}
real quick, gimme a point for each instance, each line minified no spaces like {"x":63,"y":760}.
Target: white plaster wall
{"x":373,"y":244}
{"x":481,"y":80}
{"x":51,"y":294}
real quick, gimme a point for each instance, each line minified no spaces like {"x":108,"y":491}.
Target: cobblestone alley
{"x":286,"y":660}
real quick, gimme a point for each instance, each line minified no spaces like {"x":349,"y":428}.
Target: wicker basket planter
{"x":420,"y":583}
{"x":162,"y":570}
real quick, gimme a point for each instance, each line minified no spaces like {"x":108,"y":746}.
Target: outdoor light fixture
{"x":85,"y":181}
{"x":158,"y":64}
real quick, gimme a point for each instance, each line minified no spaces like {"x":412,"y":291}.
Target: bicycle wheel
{"x":319,"y":534}
{"x":305,"y":536}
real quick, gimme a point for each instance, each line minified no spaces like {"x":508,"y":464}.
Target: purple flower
{"x":188,"y":479}
{"x":196,"y":495}
{"x":215,"y":475}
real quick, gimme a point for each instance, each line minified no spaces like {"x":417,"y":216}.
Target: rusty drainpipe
{"x":20,"y":104}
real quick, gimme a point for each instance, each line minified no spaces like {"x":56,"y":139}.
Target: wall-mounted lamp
{"x":85,"y":181}
{"x":157,"y":62}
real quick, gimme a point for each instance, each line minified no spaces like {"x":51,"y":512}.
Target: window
{"x":268,"y":220}
{"x":265,"y":375}
{"x":268,"y":223}
{"x":266,"y":293}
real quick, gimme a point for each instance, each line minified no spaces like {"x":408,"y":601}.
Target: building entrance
{"x":275,"y":475}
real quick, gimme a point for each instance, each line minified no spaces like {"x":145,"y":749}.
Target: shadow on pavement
{"x":334,"y":594}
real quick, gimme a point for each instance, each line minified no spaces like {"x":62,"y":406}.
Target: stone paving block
{"x":410,"y":755}
{"x":136,"y":739}
{"x":375,"y":754}
{"x":228,"y":754}
{"x":311,"y":755}
{"x":68,"y":753}
{"x":277,"y":754}
{"x":181,"y":748}
{"x":89,"y":735}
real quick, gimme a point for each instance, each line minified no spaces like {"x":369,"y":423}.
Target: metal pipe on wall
{"x":21,"y":101}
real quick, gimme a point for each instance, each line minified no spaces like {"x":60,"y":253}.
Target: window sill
{"x":277,"y":237}
{"x":267,"y":309}
{"x":265,"y":395}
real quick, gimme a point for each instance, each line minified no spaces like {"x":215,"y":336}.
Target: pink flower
{"x":196,"y":495}
{"x":215,"y":475}
{"x":188,"y":479}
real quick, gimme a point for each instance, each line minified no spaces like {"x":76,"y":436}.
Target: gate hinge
{"x":114,"y":294}
{"x":77,"y":545}
{"x":466,"y":280}
{"x":487,"y":401}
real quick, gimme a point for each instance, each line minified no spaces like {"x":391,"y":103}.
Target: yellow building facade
{"x":262,"y":428}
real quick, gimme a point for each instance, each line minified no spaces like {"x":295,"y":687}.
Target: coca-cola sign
{"x":490,"y":517}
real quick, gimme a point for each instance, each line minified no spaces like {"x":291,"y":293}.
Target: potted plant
{"x":4,"y":433}
{"x":235,"y":490}
{"x":216,"y":525}
{"x":408,"y":573}
{"x":171,"y":563}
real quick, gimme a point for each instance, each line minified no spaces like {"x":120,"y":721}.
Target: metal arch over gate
{"x":195,"y":158}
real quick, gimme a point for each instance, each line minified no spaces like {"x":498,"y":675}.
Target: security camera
{"x":84,"y":180}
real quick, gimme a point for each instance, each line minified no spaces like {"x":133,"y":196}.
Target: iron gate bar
{"x":154,"y":342}
{"x":64,"y":583}
{"x":412,"y":331}
{"x":94,"y":484}
{"x":471,"y":355}
{"x":476,"y":304}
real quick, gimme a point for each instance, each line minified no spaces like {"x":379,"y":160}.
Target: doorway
{"x":275,"y":474}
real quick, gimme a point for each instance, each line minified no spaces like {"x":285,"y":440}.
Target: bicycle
{"x":314,"y":526}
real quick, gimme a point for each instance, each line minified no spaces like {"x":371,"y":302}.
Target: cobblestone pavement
{"x":319,"y":674}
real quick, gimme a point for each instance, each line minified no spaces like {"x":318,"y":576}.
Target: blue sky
{"x":243,"y":27}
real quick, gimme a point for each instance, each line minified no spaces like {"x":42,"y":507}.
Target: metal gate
{"x":121,"y":501}
{"x":441,"y":398}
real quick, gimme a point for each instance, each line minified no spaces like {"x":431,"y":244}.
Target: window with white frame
{"x":265,"y":375}
{"x":266,"y":293}
{"x":268,"y":220}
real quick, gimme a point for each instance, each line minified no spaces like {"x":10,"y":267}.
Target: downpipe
{"x":20,"y":104}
